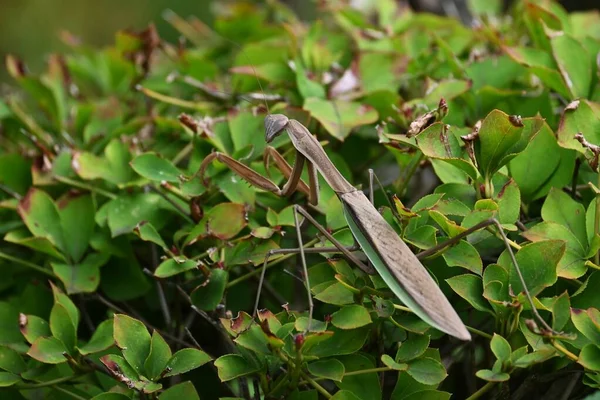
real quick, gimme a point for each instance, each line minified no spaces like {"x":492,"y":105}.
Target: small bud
{"x":299,"y":341}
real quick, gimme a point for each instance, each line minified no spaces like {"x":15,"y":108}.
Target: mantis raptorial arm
{"x":254,"y":178}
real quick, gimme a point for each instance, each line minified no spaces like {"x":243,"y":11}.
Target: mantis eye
{"x":274,"y":125}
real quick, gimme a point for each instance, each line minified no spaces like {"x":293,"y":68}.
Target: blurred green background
{"x":31,"y":29}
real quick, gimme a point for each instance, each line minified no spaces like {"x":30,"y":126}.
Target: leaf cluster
{"x":125,"y":275}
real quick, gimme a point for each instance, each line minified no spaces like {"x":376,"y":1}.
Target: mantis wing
{"x":399,"y":267}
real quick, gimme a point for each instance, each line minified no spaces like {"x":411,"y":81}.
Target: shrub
{"x":126,"y":275}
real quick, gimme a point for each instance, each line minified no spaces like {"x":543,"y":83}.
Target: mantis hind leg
{"x":336,"y":248}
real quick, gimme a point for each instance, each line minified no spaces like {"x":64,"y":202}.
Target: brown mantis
{"x":394,"y":261}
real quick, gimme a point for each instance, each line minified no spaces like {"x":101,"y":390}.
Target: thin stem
{"x":478,"y":332}
{"x":368,"y":371}
{"x":183,"y":153}
{"x":284,"y":380}
{"x":314,"y":384}
{"x":563,"y":350}
{"x":270,"y":265}
{"x":474,"y":330}
{"x":150,"y":327}
{"x":575,"y":177}
{"x":597,"y":220}
{"x":590,"y":264}
{"x":199,"y":106}
{"x":521,"y":279}
{"x":454,"y":239}
{"x":483,"y":390}
{"x":28,"y":265}
{"x":69,"y":393}
{"x":411,"y":171}
{"x":28,"y":386}
{"x":402,"y":308}
{"x":304,"y":267}
{"x":85,"y":186}
{"x":177,"y":207}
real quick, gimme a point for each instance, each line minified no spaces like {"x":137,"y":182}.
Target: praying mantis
{"x":400,"y":269}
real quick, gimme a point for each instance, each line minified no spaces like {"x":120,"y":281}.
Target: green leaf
{"x":11,"y":361}
{"x":329,"y":369}
{"x":491,"y":376}
{"x":541,"y":64}
{"x":440,"y":143}
{"x":126,"y":211}
{"x":537,"y":357}
{"x":184,"y":390}
{"x":39,"y":213}
{"x":588,"y":323}
{"x":589,"y":357}
{"x":101,"y":340}
{"x":224,"y":221}
{"x":561,"y":311}
{"x":335,"y":342}
{"x":76,"y":212}
{"x":121,"y":369}
{"x":428,"y":395}
{"x":579,"y":116}
{"x":152,"y":166}
{"x":509,"y":202}
{"x":307,"y":87}
{"x":364,"y":386}
{"x":464,"y":255}
{"x":8,"y":379}
{"x":376,"y":71}
{"x":81,"y":277}
{"x":572,"y":264}
{"x":48,"y":350}
{"x":574,"y":63}
{"x":60,"y":297}
{"x":501,"y":348}
{"x":186,"y":360}
{"x":351,"y":317}
{"x":171,"y":267}
{"x":427,"y":370}
{"x":9,"y":324}
{"x":254,"y":339}
{"x":231,"y":366}
{"x":240,"y":125}
{"x":335,"y":293}
{"x":391,"y":363}
{"x":33,"y":327}
{"x":559,"y":207}
{"x":502,"y":137}
{"x":113,"y":167}
{"x":536,"y":178}
{"x":470,"y":288}
{"x":15,"y":171}
{"x":22,"y":237}
{"x":538,"y":262}
{"x":446,"y":89}
{"x":340,"y":117}
{"x":62,"y":327}
{"x":345,"y":395}
{"x":209,"y":294}
{"x":148,"y":233}
{"x":412,"y":348}
{"x":133,"y":339}
{"x":160,"y":353}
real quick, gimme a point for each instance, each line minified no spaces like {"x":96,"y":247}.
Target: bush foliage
{"x":125,"y":275}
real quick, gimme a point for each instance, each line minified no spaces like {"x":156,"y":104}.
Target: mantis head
{"x":274,"y":125}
